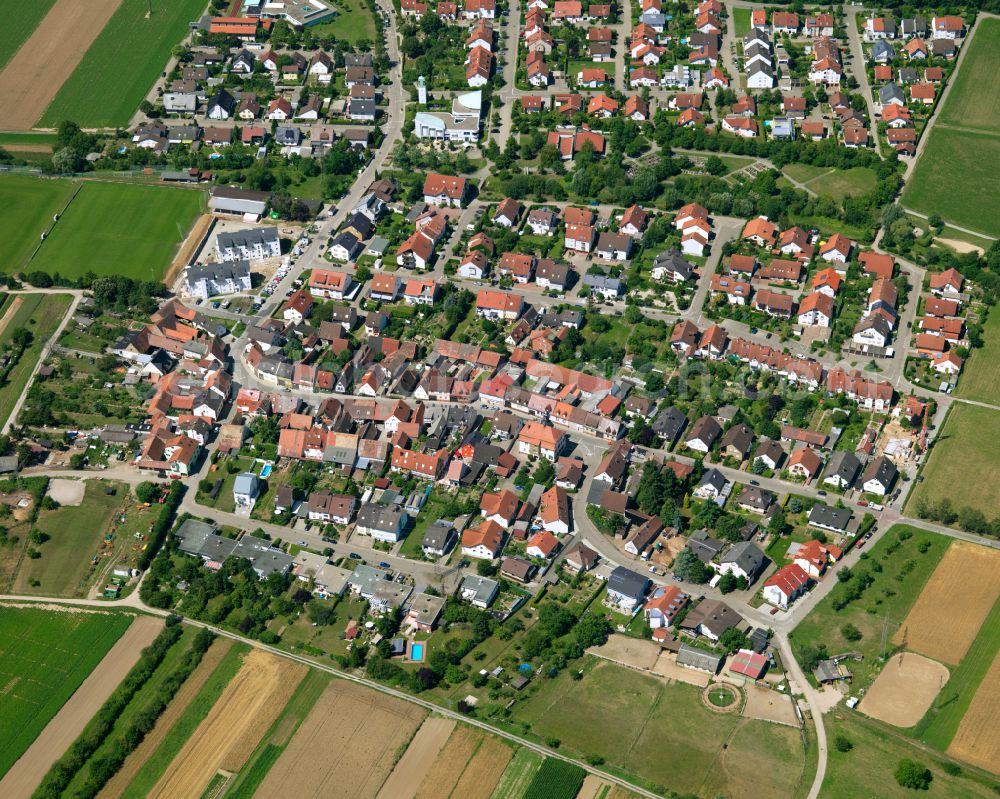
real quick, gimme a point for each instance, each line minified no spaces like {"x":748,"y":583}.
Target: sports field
{"x":119,"y":228}
{"x":44,"y":656}
{"x":980,"y":378}
{"x":974,"y":99}
{"x":121,"y":65}
{"x":21,"y":17}
{"x":965,"y":446}
{"x":950,"y":178}
{"x":29,"y":204}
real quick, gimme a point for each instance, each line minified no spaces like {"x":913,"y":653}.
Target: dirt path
{"x":416,"y":761}
{"x":33,"y":77}
{"x":233,"y":726}
{"x":27,"y":148}
{"x":25,"y":775}
{"x":182,"y":699}
{"x":187,"y":249}
{"x":10,"y":313}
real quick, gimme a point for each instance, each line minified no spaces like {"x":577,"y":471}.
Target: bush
{"x":850,"y":632}
{"x":842,"y":743}
{"x":913,"y":775}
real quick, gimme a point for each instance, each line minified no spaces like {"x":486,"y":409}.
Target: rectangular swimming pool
{"x":417,"y":652}
{"x":265,"y":471}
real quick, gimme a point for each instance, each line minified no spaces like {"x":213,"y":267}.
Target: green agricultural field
{"x":352,"y":24}
{"x":75,"y":533}
{"x":867,"y":769}
{"x":519,"y":773}
{"x":888,"y":597}
{"x":122,"y":64}
{"x":950,"y":180}
{"x":44,"y":656}
{"x":21,"y":17}
{"x":974,"y":99}
{"x":980,"y":379}
{"x":662,"y":733}
{"x":29,"y":205}
{"x":965,"y":446}
{"x":119,"y":228}
{"x":41,"y":314}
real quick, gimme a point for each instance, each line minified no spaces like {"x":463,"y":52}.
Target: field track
{"x":34,"y":75}
{"x":25,"y":775}
{"x":233,"y":727}
{"x":136,"y":760}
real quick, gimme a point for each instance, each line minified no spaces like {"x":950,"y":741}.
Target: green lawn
{"x":11,"y":140}
{"x":941,"y":722}
{"x":29,"y":204}
{"x":119,"y":228}
{"x":950,"y":179}
{"x":974,"y":99}
{"x":662,"y":733}
{"x":836,"y":183}
{"x":44,"y":656}
{"x":965,"y":446}
{"x":352,"y":24}
{"x":980,"y":379}
{"x":867,"y":769}
{"x":741,"y":21}
{"x":75,"y":534}
{"x":888,"y":597}
{"x":121,"y":65}
{"x":21,"y":17}
{"x":41,"y":314}
{"x":182,"y":729}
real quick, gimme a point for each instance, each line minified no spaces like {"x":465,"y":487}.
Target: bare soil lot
{"x":947,"y":615}
{"x":667,"y":666}
{"x":416,"y":761}
{"x":978,"y":738}
{"x":68,"y":723}
{"x":234,"y":726}
{"x":767,"y":705}
{"x":34,"y":75}
{"x":345,"y":747}
{"x":904,"y":690}
{"x":67,"y":492}
{"x":627,"y":651}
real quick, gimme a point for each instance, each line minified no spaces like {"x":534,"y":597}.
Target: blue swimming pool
{"x":417,"y":652}
{"x":265,"y":471}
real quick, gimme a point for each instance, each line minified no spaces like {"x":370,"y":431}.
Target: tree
{"x":727,"y":584}
{"x":687,"y":566}
{"x":147,"y":492}
{"x":734,"y":639}
{"x":913,"y":775}
{"x":850,"y":632}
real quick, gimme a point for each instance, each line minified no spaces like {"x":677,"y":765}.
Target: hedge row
{"x":102,"y":725}
{"x":162,"y":526}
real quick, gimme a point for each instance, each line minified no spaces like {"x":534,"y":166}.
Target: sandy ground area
{"x":762,"y":703}
{"x":68,"y":723}
{"x":945,"y":619}
{"x":666,"y":666}
{"x":136,"y":760}
{"x":345,"y":747}
{"x":11,"y":312}
{"x":591,"y":785}
{"x":905,"y":689}
{"x":67,"y":492}
{"x":33,"y":77}
{"x":416,"y":761}
{"x":234,"y":726}
{"x":960,"y":246}
{"x":628,"y":651}
{"x":978,"y":738}
{"x":187,"y":249}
